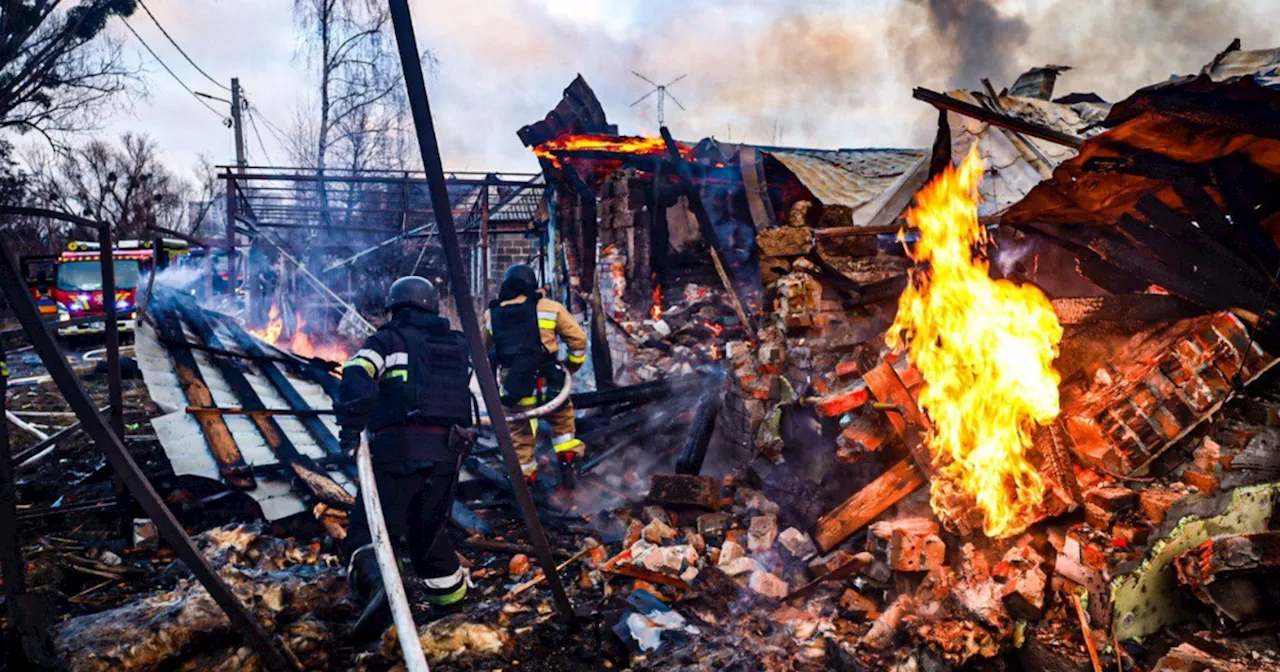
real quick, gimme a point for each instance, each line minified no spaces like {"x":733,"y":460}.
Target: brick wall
{"x":506,"y":249}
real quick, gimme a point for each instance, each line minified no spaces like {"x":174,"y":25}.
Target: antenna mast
{"x":663,"y":94}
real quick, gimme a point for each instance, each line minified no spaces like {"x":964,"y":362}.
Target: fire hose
{"x":406,"y":629}
{"x":539,"y":411}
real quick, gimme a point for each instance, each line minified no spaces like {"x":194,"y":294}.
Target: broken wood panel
{"x":900,"y":480}
{"x":231,"y":463}
{"x":1129,"y":308}
{"x":1202,"y":247}
{"x":1116,"y":250}
{"x":313,"y":476}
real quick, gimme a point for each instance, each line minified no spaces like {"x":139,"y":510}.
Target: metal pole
{"x":115,"y":392}
{"x":484,"y":242}
{"x":417,"y":90}
{"x":10,"y":545}
{"x":11,"y":284}
{"x":236,"y":124}
{"x":231,"y":235}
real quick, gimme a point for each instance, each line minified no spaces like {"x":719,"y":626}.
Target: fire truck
{"x":77,"y":290}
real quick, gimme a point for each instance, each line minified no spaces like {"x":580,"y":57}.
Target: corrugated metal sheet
{"x":184,"y":441}
{"x":847,"y":177}
{"x":1262,"y":64}
{"x":1015,"y":164}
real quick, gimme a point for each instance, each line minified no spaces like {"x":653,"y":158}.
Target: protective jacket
{"x":523,"y":334}
{"x":414,"y":373}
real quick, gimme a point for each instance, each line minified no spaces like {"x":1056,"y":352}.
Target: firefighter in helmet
{"x":523,"y":331}
{"x":409,"y":386}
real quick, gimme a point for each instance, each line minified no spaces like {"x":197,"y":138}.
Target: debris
{"x":713,"y":524}
{"x":886,"y":626}
{"x":1235,"y":574}
{"x":908,"y":544}
{"x":658,"y":531}
{"x":762,"y":533}
{"x":519,"y":565}
{"x":797,"y":543}
{"x":768,"y":585}
{"x":683,"y":491}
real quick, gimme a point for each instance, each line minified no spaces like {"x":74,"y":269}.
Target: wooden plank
{"x":1120,"y":252}
{"x":1241,"y":187}
{"x":1196,"y":239}
{"x":900,"y":480}
{"x":900,"y":407}
{"x":231,"y":465}
{"x":275,"y":655}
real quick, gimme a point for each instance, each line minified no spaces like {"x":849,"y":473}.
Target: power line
{"x":172,"y":74}
{"x":271,"y":128}
{"x":180,"y":51}
{"x":254,"y":125}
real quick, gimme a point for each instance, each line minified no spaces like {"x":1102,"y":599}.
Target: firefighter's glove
{"x":349,"y":440}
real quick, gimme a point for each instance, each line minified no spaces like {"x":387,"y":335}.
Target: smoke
{"x":1114,"y":46}
{"x":182,"y":277}
{"x":818,"y":74}
{"x":980,"y":38}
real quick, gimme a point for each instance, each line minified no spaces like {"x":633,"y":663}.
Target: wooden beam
{"x":945,"y":102}
{"x":900,"y":406}
{"x":1242,"y":187}
{"x":1118,"y":251}
{"x":900,"y":480}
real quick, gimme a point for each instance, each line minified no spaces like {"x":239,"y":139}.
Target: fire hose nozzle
{"x":881,"y":406}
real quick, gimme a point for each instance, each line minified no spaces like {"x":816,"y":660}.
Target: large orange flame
{"x":595,"y":142}
{"x":986,"y":349}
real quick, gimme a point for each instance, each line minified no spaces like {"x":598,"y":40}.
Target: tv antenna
{"x":663,"y":94}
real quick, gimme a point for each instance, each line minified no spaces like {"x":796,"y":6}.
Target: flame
{"x":986,"y":349}
{"x":302,"y":346}
{"x":655,"y":311}
{"x":300,"y":343}
{"x":716,"y":329}
{"x":596,"y":142}
{"x":275,"y":326}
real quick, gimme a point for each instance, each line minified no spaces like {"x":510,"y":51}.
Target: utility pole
{"x":236,"y":123}
{"x":236,"y":126}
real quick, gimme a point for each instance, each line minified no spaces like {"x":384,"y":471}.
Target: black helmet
{"x":522,"y":274}
{"x":414,"y":292}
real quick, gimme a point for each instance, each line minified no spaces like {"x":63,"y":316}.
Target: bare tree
{"x":55,"y":69}
{"x":125,"y":185}
{"x":358,"y":70}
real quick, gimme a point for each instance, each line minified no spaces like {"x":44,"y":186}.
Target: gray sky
{"x":819,"y":74}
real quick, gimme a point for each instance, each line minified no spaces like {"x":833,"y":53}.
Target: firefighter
{"x":409,"y":386}
{"x":523,"y":331}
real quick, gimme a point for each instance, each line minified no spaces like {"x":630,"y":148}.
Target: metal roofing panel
{"x":847,"y":177}
{"x":1016,"y":163}
{"x":182,"y":437}
{"x":1262,"y":64}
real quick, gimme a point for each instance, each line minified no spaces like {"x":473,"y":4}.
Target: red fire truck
{"x":78,"y":287}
